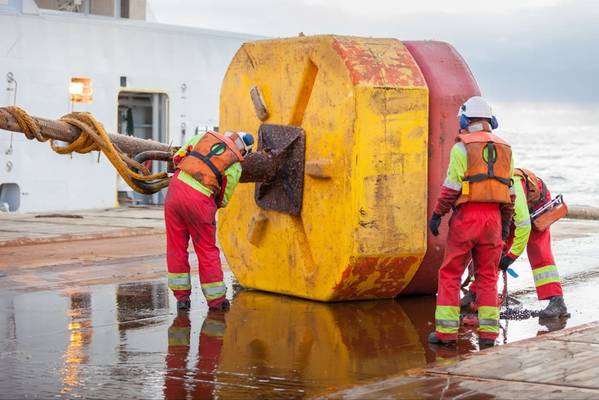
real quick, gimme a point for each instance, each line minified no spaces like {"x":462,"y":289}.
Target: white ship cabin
{"x":109,"y":58}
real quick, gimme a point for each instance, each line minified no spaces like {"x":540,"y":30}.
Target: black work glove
{"x":434,"y":223}
{"x":505,"y":230}
{"x":505,"y":262}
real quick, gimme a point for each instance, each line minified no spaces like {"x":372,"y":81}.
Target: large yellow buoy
{"x":363,"y":105}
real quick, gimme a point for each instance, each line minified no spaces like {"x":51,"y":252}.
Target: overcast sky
{"x":525,"y":50}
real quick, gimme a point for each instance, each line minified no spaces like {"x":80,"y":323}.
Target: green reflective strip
{"x":488,"y":319}
{"x":521,"y":219}
{"x":213,"y":327}
{"x":447,"y":319}
{"x":214,"y":290}
{"x":179,"y":281}
{"x":457,"y":167}
{"x":213,"y":284}
{"x":178,"y":336}
{"x":194,"y":183}
{"x":545,"y":275}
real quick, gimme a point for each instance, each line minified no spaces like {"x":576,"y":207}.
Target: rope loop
{"x":93,"y":137}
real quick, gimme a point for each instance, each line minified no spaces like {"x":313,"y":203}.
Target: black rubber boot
{"x":224,"y":306}
{"x":555,"y":309}
{"x":468,"y":300}
{"x":433,"y":339}
{"x":483,"y":342}
{"x":183,"y":305}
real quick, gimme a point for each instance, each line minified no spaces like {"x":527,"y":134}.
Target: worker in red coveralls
{"x":478,"y":188}
{"x":531,"y":194}
{"x":208,"y":170}
{"x":179,"y":382}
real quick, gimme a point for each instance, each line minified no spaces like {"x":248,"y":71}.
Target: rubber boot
{"x":482,"y":342}
{"x":183,"y":305}
{"x":468,"y":300}
{"x":224,"y":306}
{"x":433,"y":339}
{"x":555,"y":309}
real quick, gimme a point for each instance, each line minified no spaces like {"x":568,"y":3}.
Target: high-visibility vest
{"x":209,"y":159}
{"x":536,"y":191}
{"x":488,"y":178}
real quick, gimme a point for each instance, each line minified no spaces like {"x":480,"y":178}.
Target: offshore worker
{"x":531,"y":194}
{"x":208,"y":170}
{"x":478,"y":189}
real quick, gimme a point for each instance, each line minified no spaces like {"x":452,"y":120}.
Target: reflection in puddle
{"x":126,"y":341}
{"x":80,"y":338}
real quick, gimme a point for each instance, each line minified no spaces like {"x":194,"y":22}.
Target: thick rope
{"x":93,"y":137}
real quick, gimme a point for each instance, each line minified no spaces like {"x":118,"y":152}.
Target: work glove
{"x":505,"y":262}
{"x":434,"y":223}
{"x":505,"y":230}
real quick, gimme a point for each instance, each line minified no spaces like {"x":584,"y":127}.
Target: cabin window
{"x":80,"y":90}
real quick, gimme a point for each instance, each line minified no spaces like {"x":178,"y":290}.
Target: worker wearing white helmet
{"x":478,"y":190}
{"x":208,"y":170}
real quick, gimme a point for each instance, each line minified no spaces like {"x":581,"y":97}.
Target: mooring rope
{"x":93,"y":137}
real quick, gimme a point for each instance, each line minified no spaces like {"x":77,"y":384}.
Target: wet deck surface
{"x":560,"y":365}
{"x":83,"y":318}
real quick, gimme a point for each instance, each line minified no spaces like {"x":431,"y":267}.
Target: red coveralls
{"x":190,"y":211}
{"x":473,"y":228}
{"x":211,"y":341}
{"x":538,"y":246}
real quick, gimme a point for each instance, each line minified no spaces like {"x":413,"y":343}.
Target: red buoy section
{"x":450,"y":83}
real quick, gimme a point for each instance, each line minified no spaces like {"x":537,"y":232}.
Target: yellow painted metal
{"x":303,"y":342}
{"x":363,"y":104}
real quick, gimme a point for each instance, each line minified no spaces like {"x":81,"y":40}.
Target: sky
{"x":541,"y":51}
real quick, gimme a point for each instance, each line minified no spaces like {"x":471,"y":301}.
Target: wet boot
{"x":224,"y":306}
{"x":483,"y":342}
{"x":468,"y":300}
{"x":434,"y":339}
{"x":183,"y":305}
{"x":555,"y":309}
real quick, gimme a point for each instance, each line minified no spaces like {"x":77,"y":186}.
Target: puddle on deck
{"x":127,"y":341}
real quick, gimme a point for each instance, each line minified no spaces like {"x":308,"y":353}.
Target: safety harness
{"x":217,"y":149}
{"x":491,"y":159}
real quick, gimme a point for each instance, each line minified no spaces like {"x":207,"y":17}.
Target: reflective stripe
{"x":488,"y":319}
{"x":179,"y":281}
{"x":452,"y":185}
{"x":545,"y":275}
{"x":447,"y":323}
{"x":521,"y":219}
{"x":447,"y":319}
{"x":214,"y":290}
{"x":520,"y":224}
{"x":489,"y":322}
{"x":178,"y":336}
{"x":213,"y":327}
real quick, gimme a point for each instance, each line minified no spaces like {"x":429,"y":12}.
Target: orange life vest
{"x":209,"y":159}
{"x":488,"y":178}
{"x":536,"y":191}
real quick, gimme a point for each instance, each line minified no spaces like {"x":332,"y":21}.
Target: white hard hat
{"x":243,"y":140}
{"x":476,"y":107}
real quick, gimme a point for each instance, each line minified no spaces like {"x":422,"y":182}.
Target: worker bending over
{"x":478,"y":189}
{"x":208,"y":170}
{"x":531,"y":195}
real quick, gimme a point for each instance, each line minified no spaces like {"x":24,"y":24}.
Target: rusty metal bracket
{"x":285,"y":190}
